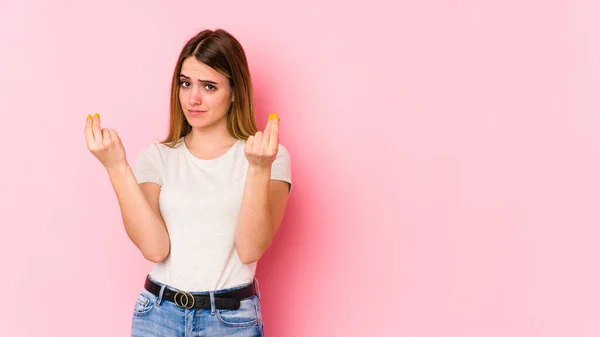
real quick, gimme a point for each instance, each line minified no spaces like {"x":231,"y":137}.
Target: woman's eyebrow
{"x":201,"y":80}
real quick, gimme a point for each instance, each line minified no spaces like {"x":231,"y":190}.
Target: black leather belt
{"x":226,"y":300}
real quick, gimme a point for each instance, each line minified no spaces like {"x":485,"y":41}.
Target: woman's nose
{"x":195,"y":97}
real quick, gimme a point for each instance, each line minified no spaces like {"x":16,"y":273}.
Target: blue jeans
{"x":153,"y":317}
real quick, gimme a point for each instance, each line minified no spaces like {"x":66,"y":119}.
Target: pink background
{"x":446,"y":161}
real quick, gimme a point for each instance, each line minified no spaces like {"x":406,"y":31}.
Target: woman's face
{"x":205,"y":95}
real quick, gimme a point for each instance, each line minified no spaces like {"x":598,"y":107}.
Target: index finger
{"x":265,"y":140}
{"x":97,"y":132}
{"x":274,"y":135}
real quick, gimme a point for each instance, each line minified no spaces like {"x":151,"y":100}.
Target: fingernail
{"x":89,"y":117}
{"x":97,"y":115}
{"x":275,"y":116}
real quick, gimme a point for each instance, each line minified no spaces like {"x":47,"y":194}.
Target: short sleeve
{"x":147,"y":165}
{"x":282,"y":168}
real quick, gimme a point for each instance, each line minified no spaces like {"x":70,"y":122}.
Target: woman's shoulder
{"x":162,"y":146}
{"x":160,"y":149}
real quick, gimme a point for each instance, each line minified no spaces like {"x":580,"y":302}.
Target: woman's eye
{"x":184,"y":84}
{"x":210,"y":87}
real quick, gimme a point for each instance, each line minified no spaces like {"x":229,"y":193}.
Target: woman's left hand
{"x":262,"y":148}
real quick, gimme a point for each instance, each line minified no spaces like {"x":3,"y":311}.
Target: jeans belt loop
{"x":160,"y":295}
{"x":212,"y":302}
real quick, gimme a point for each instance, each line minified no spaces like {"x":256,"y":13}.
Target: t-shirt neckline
{"x":200,"y":160}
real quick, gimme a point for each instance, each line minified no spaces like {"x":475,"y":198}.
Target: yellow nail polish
{"x":97,"y":115}
{"x":89,"y":117}
{"x":270,"y":116}
{"x":275,"y":116}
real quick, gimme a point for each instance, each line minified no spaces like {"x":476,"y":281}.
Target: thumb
{"x":114,"y":136}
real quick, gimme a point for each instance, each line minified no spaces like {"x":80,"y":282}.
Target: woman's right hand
{"x":104,"y":144}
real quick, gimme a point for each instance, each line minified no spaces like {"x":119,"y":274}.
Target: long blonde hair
{"x":221,"y":51}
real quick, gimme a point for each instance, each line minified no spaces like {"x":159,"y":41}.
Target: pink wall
{"x":446,"y":162}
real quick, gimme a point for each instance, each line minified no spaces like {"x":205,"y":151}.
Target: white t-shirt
{"x":200,"y":201}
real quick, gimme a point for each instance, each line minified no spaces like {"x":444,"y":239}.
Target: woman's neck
{"x":209,"y":140}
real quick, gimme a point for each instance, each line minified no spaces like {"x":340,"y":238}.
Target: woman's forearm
{"x":143,"y":226}
{"x":255,"y":227}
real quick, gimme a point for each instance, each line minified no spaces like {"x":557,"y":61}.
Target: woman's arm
{"x":139,"y":202}
{"x":264,"y":199}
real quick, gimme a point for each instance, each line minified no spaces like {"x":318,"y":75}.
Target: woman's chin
{"x":197,"y":123}
{"x":203,"y":123}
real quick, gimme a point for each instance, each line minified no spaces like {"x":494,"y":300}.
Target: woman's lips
{"x":196,"y":112}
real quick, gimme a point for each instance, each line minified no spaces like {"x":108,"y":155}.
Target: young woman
{"x":204,"y":204}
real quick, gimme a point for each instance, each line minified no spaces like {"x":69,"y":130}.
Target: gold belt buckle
{"x":184,"y":300}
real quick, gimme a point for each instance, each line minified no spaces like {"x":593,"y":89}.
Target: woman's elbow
{"x":249,"y":259}
{"x":250,"y":250}
{"x":155,"y":258}
{"x":249,"y":256}
{"x":156,"y":255}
